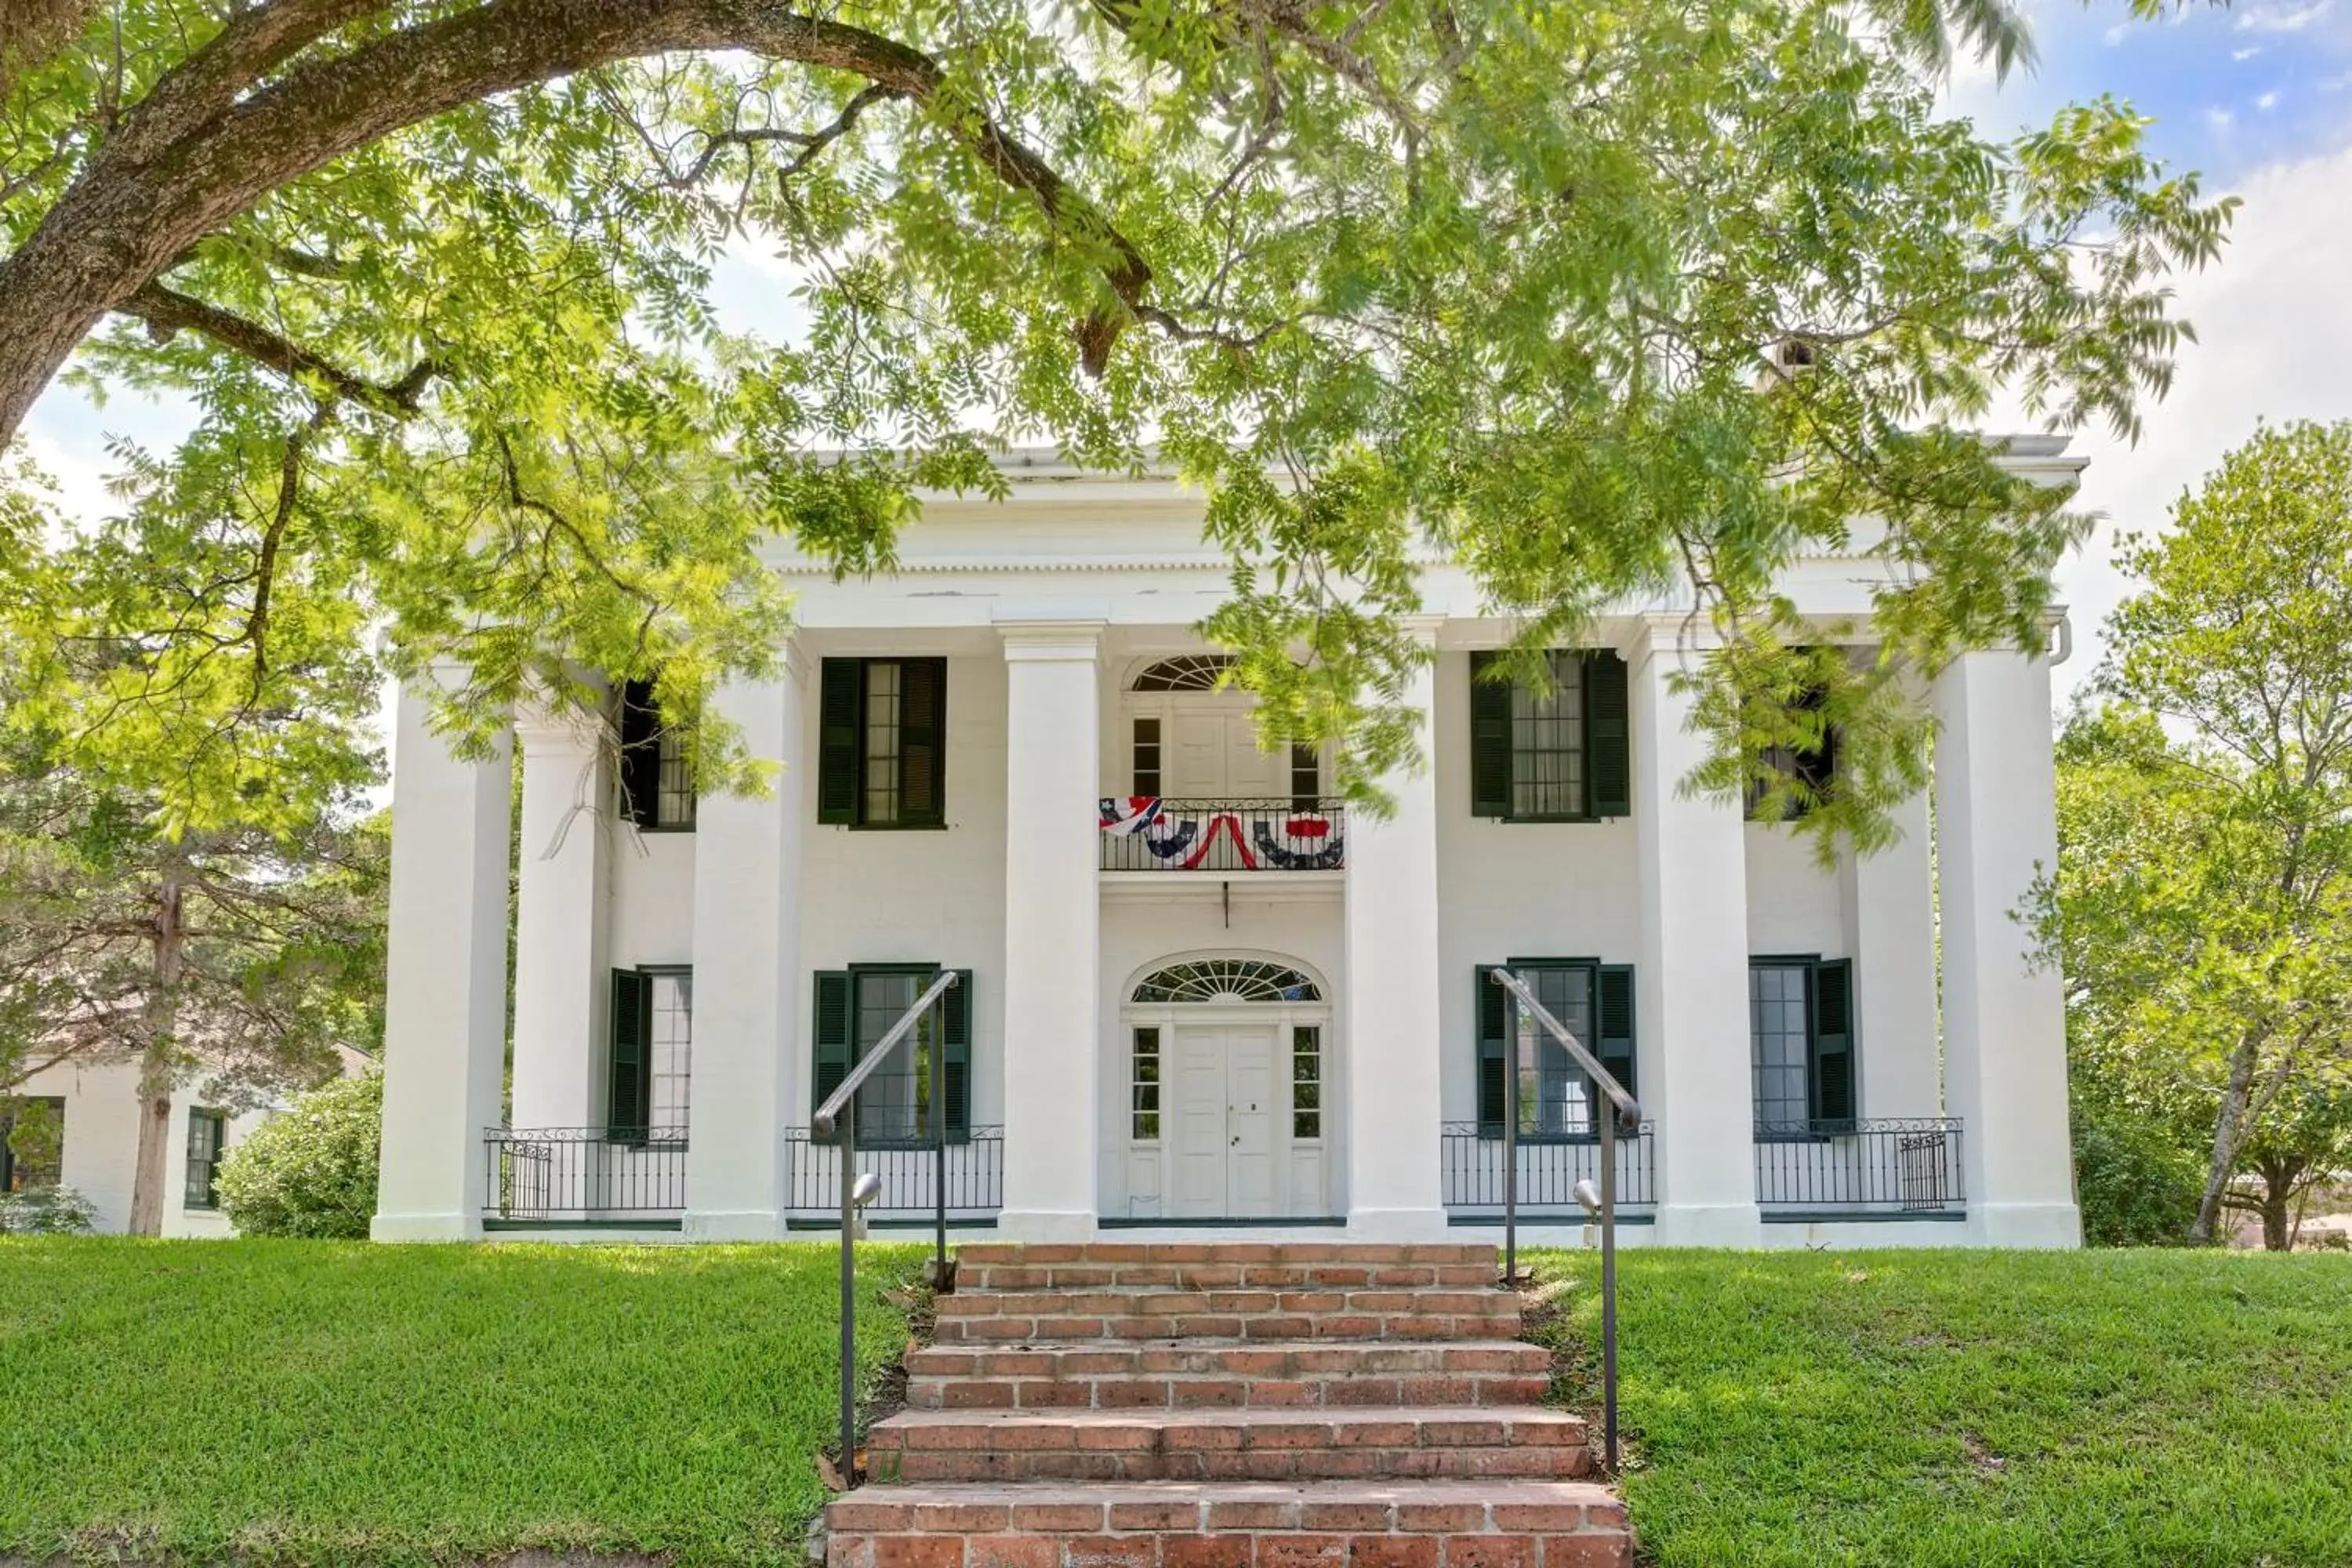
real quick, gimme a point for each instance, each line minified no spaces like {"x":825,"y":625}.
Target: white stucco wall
{"x":101,"y":1143}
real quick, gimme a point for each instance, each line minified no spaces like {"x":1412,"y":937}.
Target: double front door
{"x":1227,"y":1096}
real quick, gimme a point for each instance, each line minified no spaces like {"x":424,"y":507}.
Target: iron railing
{"x":1228,"y":836}
{"x":1471,"y":1156}
{"x":1902,"y":1167}
{"x":974,"y":1188}
{"x":574,"y":1175}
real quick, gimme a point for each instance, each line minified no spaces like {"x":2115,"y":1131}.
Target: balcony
{"x":1888,"y":1169}
{"x":1470,"y":1155}
{"x":975,"y":1180}
{"x":572,"y":1178}
{"x":1222,"y":837}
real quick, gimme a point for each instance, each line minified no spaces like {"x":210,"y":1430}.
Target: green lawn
{"x":2178,"y":1410}
{"x":309,"y":1402}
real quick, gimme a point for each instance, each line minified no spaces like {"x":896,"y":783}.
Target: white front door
{"x":1216,"y":757}
{"x":1223,"y":1146}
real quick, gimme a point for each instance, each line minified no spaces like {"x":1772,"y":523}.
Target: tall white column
{"x":1393,"y":1061}
{"x":2004,"y":1019}
{"x":1691,"y":982}
{"x":561,"y":921}
{"x":1890,"y":934}
{"x":446,"y":980}
{"x":1053,"y":930}
{"x":748,"y":980}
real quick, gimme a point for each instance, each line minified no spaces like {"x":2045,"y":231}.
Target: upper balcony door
{"x":1215,"y":753}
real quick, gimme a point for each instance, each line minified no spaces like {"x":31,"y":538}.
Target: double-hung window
{"x":1810,"y":768}
{"x":208,"y":1141}
{"x":1800,"y":1046}
{"x":1554,"y":750}
{"x":882,"y":742}
{"x":652,"y":1061}
{"x":657,"y":772}
{"x":855,"y":1009}
{"x":1594,"y":1001}
{"x":32,"y":1142}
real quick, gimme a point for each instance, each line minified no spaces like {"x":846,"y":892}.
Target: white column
{"x":1053,"y":930}
{"x":748,"y":981}
{"x":561,"y":979}
{"x":1392,"y":1070}
{"x":2004,"y":1019}
{"x":1890,"y":935}
{"x":446,"y":980}
{"x":1691,"y":981}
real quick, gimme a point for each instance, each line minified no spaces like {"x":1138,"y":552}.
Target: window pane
{"x":882,"y":692}
{"x":1306,"y":1081}
{"x":1146,"y":757}
{"x":1548,"y":741}
{"x":1145,"y":1105}
{"x":674,"y":796}
{"x":1554,"y":1098}
{"x":1775,"y":1008}
{"x":671,"y":1049}
{"x":895,"y":1103}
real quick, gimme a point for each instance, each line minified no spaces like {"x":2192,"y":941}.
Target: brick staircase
{"x":1228,"y":1405}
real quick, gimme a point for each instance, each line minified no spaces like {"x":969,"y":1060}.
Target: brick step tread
{"x":990,"y":1253}
{"x":1294,"y":1276}
{"x":1212,"y":1392}
{"x":1170,"y":1298}
{"x":1338,"y":1326}
{"x":1228,"y":1524}
{"x":1462,"y":1426}
{"x":1231,"y":1358}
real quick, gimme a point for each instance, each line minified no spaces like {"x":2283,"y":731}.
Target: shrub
{"x":2137,"y":1187}
{"x":309,"y":1172}
{"x":47,"y":1211}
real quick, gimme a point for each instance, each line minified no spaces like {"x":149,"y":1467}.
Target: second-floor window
{"x":1550,"y":751}
{"x":1811,"y":767}
{"x":656,"y":774}
{"x":882,"y":742}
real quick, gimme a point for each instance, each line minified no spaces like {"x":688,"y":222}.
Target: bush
{"x":47,"y":1211}
{"x":309,"y":1172}
{"x":2137,"y":1187}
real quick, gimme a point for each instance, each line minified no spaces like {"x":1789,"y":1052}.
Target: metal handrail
{"x":839,"y":1114}
{"x":1628,"y":1118}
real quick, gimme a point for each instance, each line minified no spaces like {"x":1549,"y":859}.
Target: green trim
{"x":914,"y":1222}
{"x":1862,"y":1216}
{"x":488,"y":1223}
{"x":1549,"y":1217}
{"x":1190,"y":1222}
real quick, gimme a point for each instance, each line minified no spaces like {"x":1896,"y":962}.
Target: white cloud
{"x":2283,"y":18}
{"x":2116,"y":34}
{"x":2219,"y":119}
{"x":2275,"y":330}
{"x":2268,"y":101}
{"x":2242,"y":56}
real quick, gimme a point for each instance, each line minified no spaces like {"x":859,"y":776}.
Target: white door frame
{"x":1281,"y":1017}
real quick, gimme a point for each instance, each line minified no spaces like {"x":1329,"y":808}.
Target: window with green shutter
{"x":32,"y":1141}
{"x":1556,"y":754}
{"x":656,"y":774}
{"x":854,"y":1009}
{"x":882,"y":742}
{"x":1802,"y":1046}
{"x":650,"y":1061}
{"x":1594,"y":1001}
{"x":1813,"y":768}
{"x":208,"y":1141}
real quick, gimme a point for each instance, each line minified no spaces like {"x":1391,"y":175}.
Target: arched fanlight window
{"x":1226,"y":980}
{"x":1186,"y":672}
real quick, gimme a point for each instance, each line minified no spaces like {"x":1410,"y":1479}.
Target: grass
{"x":2186,"y":1410}
{"x":319,"y":1402}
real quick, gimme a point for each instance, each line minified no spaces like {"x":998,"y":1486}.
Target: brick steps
{"x":1226,"y":1445}
{"x":1132,"y":1312}
{"x":1297,"y":1275}
{"x":1027,"y":1254}
{"x":1229,"y":1373}
{"x":1323,"y":1525}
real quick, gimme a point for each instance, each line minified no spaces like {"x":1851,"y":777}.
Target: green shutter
{"x":1832,"y":1017}
{"x":640,"y":753}
{"x":1615,"y":985}
{"x":1494,"y":1007}
{"x":829,"y":1044}
{"x":841,"y":691}
{"x":922,"y":742}
{"x":1490,"y":744}
{"x":626,"y":1112}
{"x":955,"y":1033}
{"x":1608,"y":747}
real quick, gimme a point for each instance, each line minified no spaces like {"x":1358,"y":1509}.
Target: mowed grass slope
{"x":324,"y":1403}
{"x":2173,"y":1409}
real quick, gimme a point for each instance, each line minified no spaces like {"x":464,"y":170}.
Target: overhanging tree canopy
{"x":1602,"y":300}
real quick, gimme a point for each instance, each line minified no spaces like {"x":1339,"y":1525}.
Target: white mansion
{"x":1196,"y":991}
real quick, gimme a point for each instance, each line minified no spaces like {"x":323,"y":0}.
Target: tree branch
{"x":167,"y":311}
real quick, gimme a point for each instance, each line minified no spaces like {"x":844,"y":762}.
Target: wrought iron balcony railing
{"x":1471,"y":1154}
{"x":1149,"y":833}
{"x":974,"y":1170}
{"x":584,"y":1175}
{"x":1908,"y":1166}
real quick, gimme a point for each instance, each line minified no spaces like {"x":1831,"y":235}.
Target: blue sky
{"x":2257,"y":97}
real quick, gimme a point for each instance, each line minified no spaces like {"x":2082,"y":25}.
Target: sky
{"x":2256,"y":97}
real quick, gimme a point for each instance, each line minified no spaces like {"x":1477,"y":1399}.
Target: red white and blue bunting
{"x":1183,"y":838}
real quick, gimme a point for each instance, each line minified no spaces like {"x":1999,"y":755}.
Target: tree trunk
{"x":2278,"y":1229}
{"x":159,"y":1062}
{"x":2228,"y":1133}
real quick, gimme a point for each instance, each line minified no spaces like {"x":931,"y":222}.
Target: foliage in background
{"x":311,"y":1171}
{"x":2201,"y":907}
{"x":2136,"y":1177}
{"x":1599,"y":301}
{"x":404,"y":1407}
{"x":1977,"y":1409}
{"x":51,"y":1210}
